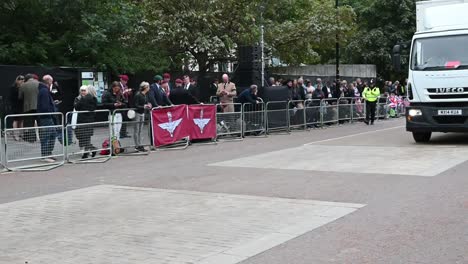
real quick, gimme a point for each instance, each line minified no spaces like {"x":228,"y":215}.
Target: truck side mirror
{"x":396,"y":58}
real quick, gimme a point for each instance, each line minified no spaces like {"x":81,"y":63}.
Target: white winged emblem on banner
{"x":170,"y":126}
{"x":201,"y":122}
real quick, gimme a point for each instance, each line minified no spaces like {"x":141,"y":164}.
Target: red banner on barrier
{"x":202,"y":120}
{"x":169,"y":125}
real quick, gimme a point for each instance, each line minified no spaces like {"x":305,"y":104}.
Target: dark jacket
{"x":325,"y":91}
{"x":181,"y":96}
{"x":160,"y":96}
{"x":28,"y":92}
{"x":140,"y":101}
{"x":317,"y":95}
{"x":247,"y":97}
{"x":45,"y":102}
{"x":109,"y":99}
{"x":16,"y":104}
{"x":56,"y":93}
{"x":86,"y":103}
{"x":193,"y":90}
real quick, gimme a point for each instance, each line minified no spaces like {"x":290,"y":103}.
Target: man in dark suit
{"x":159,"y":96}
{"x":180,"y":95}
{"x":192,"y":89}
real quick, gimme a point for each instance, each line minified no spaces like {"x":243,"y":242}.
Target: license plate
{"x":449,"y":112}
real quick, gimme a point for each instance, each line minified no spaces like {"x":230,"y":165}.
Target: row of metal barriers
{"x":51,"y":140}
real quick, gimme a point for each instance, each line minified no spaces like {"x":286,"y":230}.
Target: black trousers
{"x":370,"y":110}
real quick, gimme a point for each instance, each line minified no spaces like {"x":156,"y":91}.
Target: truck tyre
{"x":422,"y":137}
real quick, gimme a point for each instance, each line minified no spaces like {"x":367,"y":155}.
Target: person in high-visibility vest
{"x":371,"y":95}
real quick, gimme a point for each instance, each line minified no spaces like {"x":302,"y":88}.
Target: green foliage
{"x":107,"y":34}
{"x":136,"y":35}
{"x":304,"y":31}
{"x":382,"y":24}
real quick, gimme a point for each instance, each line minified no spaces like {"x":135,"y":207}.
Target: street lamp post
{"x":337,"y":47}
{"x":262,"y":45}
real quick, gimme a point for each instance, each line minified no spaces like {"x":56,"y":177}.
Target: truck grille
{"x":448,"y":93}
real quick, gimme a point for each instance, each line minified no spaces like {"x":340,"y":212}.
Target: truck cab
{"x":438,"y":69}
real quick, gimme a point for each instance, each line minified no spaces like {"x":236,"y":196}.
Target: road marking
{"x":348,"y":159}
{"x":353,"y":135}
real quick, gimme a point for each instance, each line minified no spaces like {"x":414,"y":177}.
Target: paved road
{"x":349,"y":194}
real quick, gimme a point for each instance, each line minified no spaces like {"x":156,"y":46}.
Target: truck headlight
{"x":414,"y":112}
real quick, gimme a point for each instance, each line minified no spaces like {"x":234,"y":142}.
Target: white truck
{"x":438,"y":69}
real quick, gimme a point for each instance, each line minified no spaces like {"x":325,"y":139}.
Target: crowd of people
{"x":31,"y":95}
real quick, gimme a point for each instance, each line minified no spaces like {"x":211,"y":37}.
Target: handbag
{"x":74,"y":119}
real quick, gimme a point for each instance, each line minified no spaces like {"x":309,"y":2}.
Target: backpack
{"x":105,"y":146}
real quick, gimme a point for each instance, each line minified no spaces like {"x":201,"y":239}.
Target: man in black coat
{"x":47,"y":134}
{"x":180,"y":95}
{"x":192,"y":89}
{"x":157,"y":92}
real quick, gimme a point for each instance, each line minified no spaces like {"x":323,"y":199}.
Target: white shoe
{"x":49,"y":160}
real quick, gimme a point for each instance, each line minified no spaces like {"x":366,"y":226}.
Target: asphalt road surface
{"x":348,"y":194}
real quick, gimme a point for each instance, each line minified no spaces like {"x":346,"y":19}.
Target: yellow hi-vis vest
{"x":371,"y":94}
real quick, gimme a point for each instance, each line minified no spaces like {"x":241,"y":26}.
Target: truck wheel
{"x":422,"y":137}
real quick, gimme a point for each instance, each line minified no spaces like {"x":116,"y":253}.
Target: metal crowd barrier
{"x":86,"y":141}
{"x":277,"y":116}
{"x":313,"y":113}
{"x":2,"y":149}
{"x":229,"y":124}
{"x":329,"y":111}
{"x":253,"y":117}
{"x":345,"y":109}
{"x":34,"y":147}
{"x":297,"y":116}
{"x":358,"y":108}
{"x":140,"y":126}
{"x":382,"y":108}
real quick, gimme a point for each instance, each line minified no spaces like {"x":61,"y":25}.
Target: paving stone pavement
{"x":117,"y":224}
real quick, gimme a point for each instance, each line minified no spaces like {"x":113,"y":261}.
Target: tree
{"x":206,"y":30}
{"x":297,"y":31}
{"x":107,"y":34}
{"x":382,"y":25}
{"x":304,"y":31}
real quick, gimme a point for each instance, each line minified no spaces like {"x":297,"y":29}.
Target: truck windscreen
{"x":440,"y":53}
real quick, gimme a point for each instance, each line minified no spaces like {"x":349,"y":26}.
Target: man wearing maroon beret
{"x":167,"y":78}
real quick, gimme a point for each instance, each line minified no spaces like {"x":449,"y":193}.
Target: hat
{"x":179,"y":81}
{"x":166,"y":76}
{"x":158,"y":78}
{"x":124,"y":77}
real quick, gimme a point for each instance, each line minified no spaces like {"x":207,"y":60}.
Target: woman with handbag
{"x":86,"y":102}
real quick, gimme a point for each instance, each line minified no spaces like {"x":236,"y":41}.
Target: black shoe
{"x":372,"y":123}
{"x":366,"y":122}
{"x":141,"y":149}
{"x":85,"y":155}
{"x":93,"y":151}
